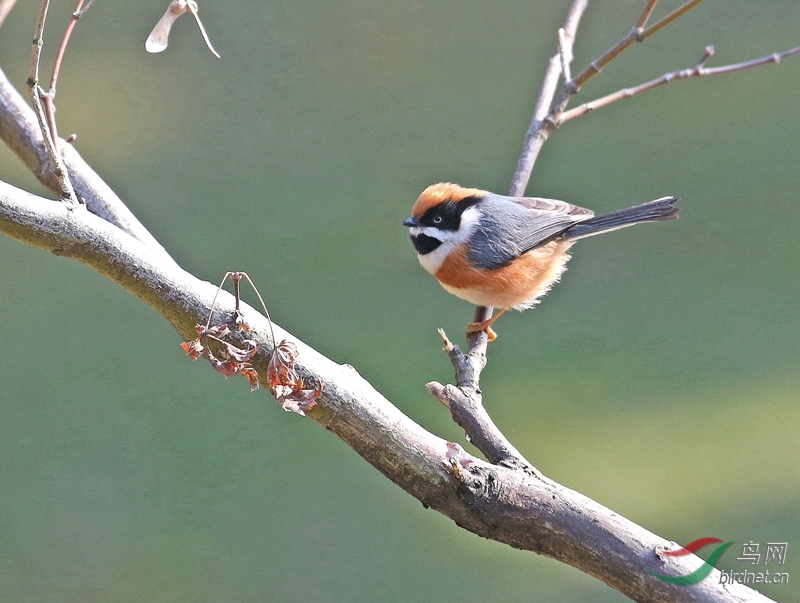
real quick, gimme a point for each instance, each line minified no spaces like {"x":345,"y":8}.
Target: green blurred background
{"x":661,"y":377}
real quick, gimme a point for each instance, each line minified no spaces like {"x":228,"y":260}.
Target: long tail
{"x":653,"y":211}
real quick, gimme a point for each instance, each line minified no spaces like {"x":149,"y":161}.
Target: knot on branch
{"x":443,"y":393}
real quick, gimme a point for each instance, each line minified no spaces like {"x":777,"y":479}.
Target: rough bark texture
{"x":509,"y":505}
{"x":504,"y":499}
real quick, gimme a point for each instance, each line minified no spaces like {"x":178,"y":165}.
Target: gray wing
{"x":510,"y":226}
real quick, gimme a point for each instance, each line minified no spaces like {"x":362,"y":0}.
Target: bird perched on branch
{"x":506,"y":252}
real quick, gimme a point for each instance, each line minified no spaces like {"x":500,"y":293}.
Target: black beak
{"x":411,"y":222}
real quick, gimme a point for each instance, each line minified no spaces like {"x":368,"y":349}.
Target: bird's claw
{"x":477,"y":327}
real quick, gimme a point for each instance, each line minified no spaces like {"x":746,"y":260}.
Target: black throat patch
{"x":424,"y":244}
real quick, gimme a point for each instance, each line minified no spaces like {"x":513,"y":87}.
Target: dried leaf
{"x":231,"y":352}
{"x":240,"y":322}
{"x":226,"y":367}
{"x":158,"y":40}
{"x":284,"y":382}
{"x":228,"y":359}
{"x":193,"y":348}
{"x":281,"y":365}
{"x":252,"y":377}
{"x":215,"y":331}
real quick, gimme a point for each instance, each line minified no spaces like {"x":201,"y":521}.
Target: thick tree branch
{"x":507,"y":505}
{"x":505,"y":499}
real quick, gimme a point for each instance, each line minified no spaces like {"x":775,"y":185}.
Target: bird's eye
{"x":437,"y":219}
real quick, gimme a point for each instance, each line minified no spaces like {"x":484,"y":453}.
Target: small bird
{"x":506,"y":252}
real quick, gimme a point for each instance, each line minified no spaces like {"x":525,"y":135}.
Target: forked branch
{"x":504,"y":499}
{"x":699,"y":70}
{"x":464,"y":400}
{"x":501,"y":503}
{"x":45,"y":113}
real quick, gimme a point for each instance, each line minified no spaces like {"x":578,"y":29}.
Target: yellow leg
{"x":486,"y":325}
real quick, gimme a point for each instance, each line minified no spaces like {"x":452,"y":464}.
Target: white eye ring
{"x":437,"y":219}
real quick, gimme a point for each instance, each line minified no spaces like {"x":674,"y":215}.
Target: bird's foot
{"x":486,"y":325}
{"x":477,"y":327}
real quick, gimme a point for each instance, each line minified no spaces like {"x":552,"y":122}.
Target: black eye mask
{"x":447,"y":215}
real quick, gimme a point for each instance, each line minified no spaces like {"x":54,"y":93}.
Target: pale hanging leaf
{"x":158,"y":40}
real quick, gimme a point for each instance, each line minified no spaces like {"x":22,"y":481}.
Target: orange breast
{"x":518,"y":285}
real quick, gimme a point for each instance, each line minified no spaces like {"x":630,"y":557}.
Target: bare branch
{"x":698,"y":70}
{"x":45,"y":115}
{"x":80,"y":10}
{"x":678,"y":12}
{"x":635,"y":35}
{"x":469,"y":412}
{"x":20,"y":131}
{"x":503,"y":504}
{"x":48,"y":98}
{"x":772,"y":58}
{"x":565,"y":55}
{"x":465,"y":399}
{"x":466,"y":407}
{"x":648,"y":10}
{"x":537,"y":132}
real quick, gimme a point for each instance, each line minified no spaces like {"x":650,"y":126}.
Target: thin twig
{"x":565,"y":55}
{"x":698,"y":70}
{"x":678,"y":12}
{"x":236,"y":277}
{"x":648,"y":10}
{"x":5,"y":9}
{"x":466,"y":407}
{"x":37,"y":94}
{"x":80,"y":10}
{"x":50,"y":96}
{"x":635,"y":35}
{"x":263,"y":305}
{"x":465,"y":400}
{"x":537,"y":134}
{"x":547,"y":115}
{"x":546,"y":118}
